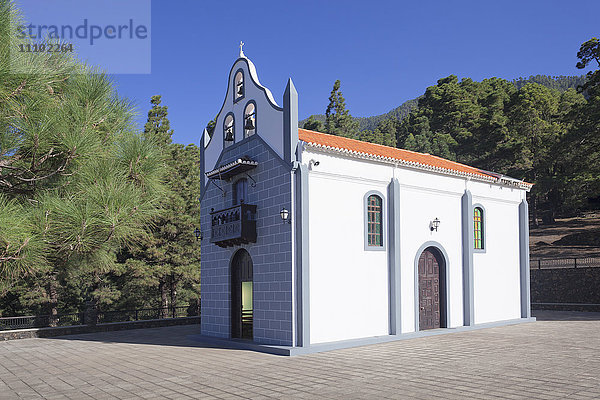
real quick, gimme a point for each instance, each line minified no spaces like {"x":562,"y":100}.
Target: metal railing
{"x":40,"y":321}
{"x":100,"y":317}
{"x":143,"y":314}
{"x":557,"y":263}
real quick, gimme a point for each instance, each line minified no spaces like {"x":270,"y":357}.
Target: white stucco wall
{"x":349,"y":286}
{"x":496,"y":270}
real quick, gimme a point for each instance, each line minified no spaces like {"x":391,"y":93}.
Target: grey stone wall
{"x":271,"y":254}
{"x":566,"y":285}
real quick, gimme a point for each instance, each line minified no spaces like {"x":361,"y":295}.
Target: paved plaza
{"x":556,"y":357}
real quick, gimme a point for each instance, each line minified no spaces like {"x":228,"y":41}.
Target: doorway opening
{"x":242,"y":296}
{"x":432,"y":299}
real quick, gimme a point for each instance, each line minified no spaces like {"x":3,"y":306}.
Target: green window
{"x":478,"y":227}
{"x":374,"y":221}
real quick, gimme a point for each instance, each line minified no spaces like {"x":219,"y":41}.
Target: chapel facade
{"x":312,"y":241}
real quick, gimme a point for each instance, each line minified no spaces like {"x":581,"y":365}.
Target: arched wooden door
{"x":431,"y":300}
{"x":241,"y":295}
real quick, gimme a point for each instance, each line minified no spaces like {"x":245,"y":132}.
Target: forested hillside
{"x":560,"y":83}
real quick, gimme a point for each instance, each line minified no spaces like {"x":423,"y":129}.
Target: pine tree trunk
{"x":534,"y":203}
{"x":94,"y":289}
{"x":196,"y":312}
{"x":554,"y":197}
{"x":53,"y":299}
{"x":173,"y":293}
{"x":164,"y":300}
{"x":534,"y":211}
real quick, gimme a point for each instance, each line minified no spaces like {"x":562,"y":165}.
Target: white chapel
{"x":314,"y":242}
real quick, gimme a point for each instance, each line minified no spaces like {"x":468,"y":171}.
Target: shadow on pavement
{"x":180,"y":336}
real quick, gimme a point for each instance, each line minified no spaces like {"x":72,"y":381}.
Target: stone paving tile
{"x":554,"y":358}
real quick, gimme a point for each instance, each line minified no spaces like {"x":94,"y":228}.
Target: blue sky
{"x":384,"y":52}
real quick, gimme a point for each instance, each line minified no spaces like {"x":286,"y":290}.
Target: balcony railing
{"x":234,"y":225}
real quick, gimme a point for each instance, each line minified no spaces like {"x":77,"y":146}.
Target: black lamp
{"x":285,"y":215}
{"x":198,"y":234}
{"x":433,"y":226}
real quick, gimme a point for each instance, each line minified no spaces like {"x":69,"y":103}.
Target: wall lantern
{"x":433,"y":226}
{"x":285,"y":215}
{"x":198,"y":234}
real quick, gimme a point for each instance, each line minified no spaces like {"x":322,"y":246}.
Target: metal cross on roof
{"x":241,"y":50}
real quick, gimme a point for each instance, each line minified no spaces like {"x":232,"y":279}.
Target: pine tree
{"x":580,"y":147}
{"x":535,"y":131}
{"x":414,"y":133}
{"x":338,"y":120}
{"x":410,"y":143}
{"x":588,"y":53}
{"x":386,"y":132}
{"x":168,"y":260}
{"x":158,"y":127}
{"x":314,"y":124}
{"x":76,"y":181}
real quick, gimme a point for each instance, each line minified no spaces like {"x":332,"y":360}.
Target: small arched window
{"x":374,"y":221}
{"x":240,"y":191}
{"x":249,"y":119}
{"x":478,"y":228}
{"x":229,"y":130}
{"x":239,"y":89}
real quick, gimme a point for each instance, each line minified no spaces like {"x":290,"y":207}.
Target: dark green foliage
{"x":164,"y":269}
{"x":313,"y":124}
{"x":582,"y":145}
{"x":588,"y":53}
{"x":385,"y":133}
{"x":76,"y":181}
{"x":338,"y":120}
{"x":528,"y":133}
{"x":535,"y":133}
{"x":210,"y":127}
{"x":158,"y":127}
{"x":560,"y":83}
{"x":398,"y":113}
{"x":370,"y":123}
{"x":495,"y":126}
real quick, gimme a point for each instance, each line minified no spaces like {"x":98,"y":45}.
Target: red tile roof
{"x":391,"y":153}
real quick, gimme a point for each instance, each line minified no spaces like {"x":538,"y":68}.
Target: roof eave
{"x":425,"y":167}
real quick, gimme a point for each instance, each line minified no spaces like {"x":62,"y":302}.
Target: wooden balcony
{"x":234,"y":225}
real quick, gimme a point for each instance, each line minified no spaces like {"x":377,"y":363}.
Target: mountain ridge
{"x":556,"y":82}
